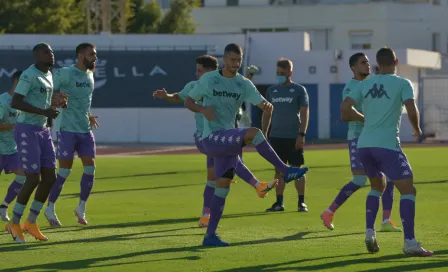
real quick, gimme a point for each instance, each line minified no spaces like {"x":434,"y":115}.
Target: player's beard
{"x":89,"y":64}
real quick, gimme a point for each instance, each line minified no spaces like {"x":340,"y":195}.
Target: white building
{"x":335,"y":24}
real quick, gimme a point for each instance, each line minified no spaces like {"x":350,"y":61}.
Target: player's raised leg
{"x":65,"y":155}
{"x":14,"y":188}
{"x":255,"y":137}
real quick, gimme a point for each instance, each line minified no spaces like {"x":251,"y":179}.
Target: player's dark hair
{"x":354,"y":59}
{"x":83,"y":46}
{"x":285,"y":64}
{"x":16,"y":75}
{"x":208,"y":62}
{"x":40,"y":46}
{"x":233,"y":48}
{"x":386,"y":57}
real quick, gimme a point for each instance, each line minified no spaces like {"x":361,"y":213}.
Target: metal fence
{"x":435,"y":107}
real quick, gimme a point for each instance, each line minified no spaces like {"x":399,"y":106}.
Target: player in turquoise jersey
{"x":360,"y":66}
{"x":74,"y":129}
{"x":223,"y":92}
{"x":33,"y":97}
{"x":382,"y":98}
{"x":207,"y":64}
{"x":9,"y":158}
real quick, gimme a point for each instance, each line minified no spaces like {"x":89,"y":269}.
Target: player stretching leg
{"x":223,"y":92}
{"x":33,"y":97}
{"x":360,"y":66}
{"x":9,"y":158}
{"x":74,"y":126}
{"x":288,"y":128}
{"x":382,"y":97}
{"x":206,"y":64}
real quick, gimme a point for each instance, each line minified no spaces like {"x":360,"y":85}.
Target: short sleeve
{"x":60,"y":79}
{"x":252,"y":95}
{"x":356,"y":94}
{"x":25,"y":84}
{"x":303,"y":97}
{"x":186,"y":90}
{"x":407,"y":91}
{"x":200,"y":89}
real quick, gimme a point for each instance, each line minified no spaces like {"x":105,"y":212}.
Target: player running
{"x":206,"y":64}
{"x":288,"y":128}
{"x":223,"y":92}
{"x":33,"y":97}
{"x":360,"y":66}
{"x":382,"y":98}
{"x":74,"y":130}
{"x":9,"y":158}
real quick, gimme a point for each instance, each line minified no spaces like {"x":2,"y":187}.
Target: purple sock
{"x":388,"y":200}
{"x":343,"y":195}
{"x":56,"y":189}
{"x":245,"y":174}
{"x":266,"y":151}
{"x":372,"y":206}
{"x":407,"y":214}
{"x":216,"y":209}
{"x":13,"y":191}
{"x":86,"y":186}
{"x":209,"y":191}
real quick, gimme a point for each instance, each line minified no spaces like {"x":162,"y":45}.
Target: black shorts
{"x":286,"y":150}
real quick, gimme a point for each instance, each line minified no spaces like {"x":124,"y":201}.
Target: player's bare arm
{"x":414,"y":117}
{"x":6,"y":127}
{"x":208,"y":112}
{"x":349,"y":113}
{"x":164,"y":95}
{"x":304,"y":116}
{"x":59,"y":100}
{"x":18,"y":103}
{"x":267,"y":109}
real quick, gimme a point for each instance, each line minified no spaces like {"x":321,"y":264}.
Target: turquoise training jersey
{"x":354,"y":127}
{"x":37,"y":88}
{"x":8,"y":115}
{"x":382,"y":98}
{"x":199,"y":118}
{"x":78,"y":85}
{"x":226,"y":95}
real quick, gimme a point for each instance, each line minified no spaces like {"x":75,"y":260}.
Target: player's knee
{"x":32,"y":180}
{"x":89,"y":170}
{"x":229,"y":174}
{"x":64,"y":172}
{"x":359,"y":180}
{"x":258,"y":136}
{"x":20,"y":179}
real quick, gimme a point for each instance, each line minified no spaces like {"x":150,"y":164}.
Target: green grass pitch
{"x":143,"y":214}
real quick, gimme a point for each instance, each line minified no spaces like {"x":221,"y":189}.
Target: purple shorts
{"x":210,"y":160}
{"x":225,"y":146}
{"x":355,"y":161}
{"x":35,"y":147}
{"x":69,"y":142}
{"x":381,"y":161}
{"x":9,"y":163}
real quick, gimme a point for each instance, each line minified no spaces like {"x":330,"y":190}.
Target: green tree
{"x":178,"y":20}
{"x":145,"y":17}
{"x":32,"y":16}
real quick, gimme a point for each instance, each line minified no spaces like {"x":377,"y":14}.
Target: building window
{"x":232,"y":2}
{"x":361,"y":39}
{"x":280,"y":29}
{"x":436,"y":42}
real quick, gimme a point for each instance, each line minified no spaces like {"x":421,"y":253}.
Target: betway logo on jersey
{"x":282,"y":100}
{"x":82,"y":84}
{"x":235,"y":96}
